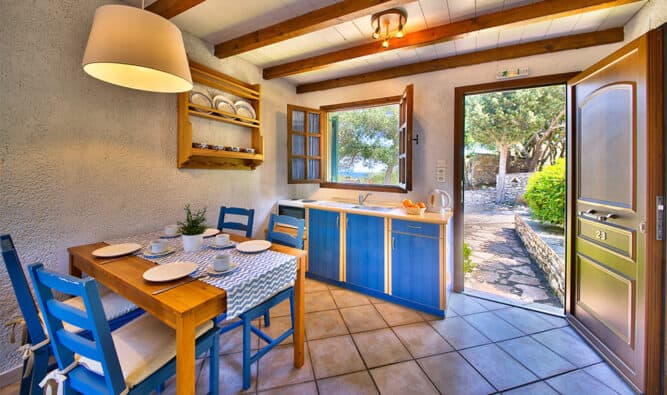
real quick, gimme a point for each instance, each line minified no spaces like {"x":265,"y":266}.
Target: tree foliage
{"x":545,"y":193}
{"x":368,"y":136}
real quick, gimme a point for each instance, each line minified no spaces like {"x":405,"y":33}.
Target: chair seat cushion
{"x":143,"y":345}
{"x":114,"y":306}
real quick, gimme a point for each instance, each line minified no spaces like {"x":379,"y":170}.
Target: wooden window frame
{"x":405,"y":139}
{"x":306,"y":134}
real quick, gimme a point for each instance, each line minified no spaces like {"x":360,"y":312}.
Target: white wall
{"x":83,"y":161}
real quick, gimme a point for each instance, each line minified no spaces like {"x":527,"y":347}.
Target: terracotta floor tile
{"x":536,"y":357}
{"x":359,"y":383}
{"x":579,"y":382}
{"x":454,"y":375}
{"x":539,"y":388}
{"x":232,"y":342}
{"x":398,"y":315}
{"x":380,"y":347}
{"x":230,"y":375}
{"x":281,"y":309}
{"x":323,"y":324}
{"x":422,"y":340}
{"x":498,"y":367}
{"x":464,"y":304}
{"x":276,"y":368}
{"x":11,"y":389}
{"x":527,"y":321}
{"x":405,"y":378}
{"x":607,"y":375}
{"x":345,"y":298}
{"x":315,"y":286}
{"x":569,"y":345}
{"x":362,"y":318}
{"x":319,"y":301}
{"x":459,"y":333}
{"x":491,"y":326}
{"x":308,"y":388}
{"x":278,"y":326}
{"x":334,"y":356}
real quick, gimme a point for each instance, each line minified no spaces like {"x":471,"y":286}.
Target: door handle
{"x":393,"y":243}
{"x":591,"y":214}
{"x":338,"y":221}
{"x":414,"y":227}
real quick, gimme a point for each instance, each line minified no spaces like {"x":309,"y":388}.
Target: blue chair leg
{"x":214,"y":366}
{"x":246,"y":352}
{"x":39,"y":369}
{"x":267,"y":319}
{"x":160,"y":388}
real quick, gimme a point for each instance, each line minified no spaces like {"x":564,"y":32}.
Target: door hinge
{"x":659,"y":217}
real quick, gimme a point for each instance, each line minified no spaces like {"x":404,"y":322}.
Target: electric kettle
{"x":438,"y":201}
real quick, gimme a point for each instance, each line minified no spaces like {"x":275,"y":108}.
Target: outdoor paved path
{"x":503,"y":267}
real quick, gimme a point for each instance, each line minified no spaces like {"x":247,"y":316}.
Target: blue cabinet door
{"x":415,"y":269}
{"x":324,"y":243}
{"x":365,"y":251}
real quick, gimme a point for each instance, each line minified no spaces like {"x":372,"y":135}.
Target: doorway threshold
{"x":541,"y":308}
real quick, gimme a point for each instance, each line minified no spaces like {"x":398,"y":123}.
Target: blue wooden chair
{"x":286,"y":238}
{"x":36,"y":351}
{"x":247,"y":227}
{"x":136,"y":358}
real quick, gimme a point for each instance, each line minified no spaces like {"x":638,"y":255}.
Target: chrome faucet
{"x":362,"y":198}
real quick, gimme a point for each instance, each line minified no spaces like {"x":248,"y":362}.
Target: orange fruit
{"x":421,"y":205}
{"x":407,"y":203}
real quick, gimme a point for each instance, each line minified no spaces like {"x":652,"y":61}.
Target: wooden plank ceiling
{"x":320,"y":44}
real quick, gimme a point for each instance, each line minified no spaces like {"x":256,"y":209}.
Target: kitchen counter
{"x":395,"y":213}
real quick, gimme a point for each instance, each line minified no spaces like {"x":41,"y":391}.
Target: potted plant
{"x":193,"y":229}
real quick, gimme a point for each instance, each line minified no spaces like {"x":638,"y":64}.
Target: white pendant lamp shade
{"x":136,"y":49}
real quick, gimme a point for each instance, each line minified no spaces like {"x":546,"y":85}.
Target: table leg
{"x":73,"y":270}
{"x":299,"y":307}
{"x":185,"y":355}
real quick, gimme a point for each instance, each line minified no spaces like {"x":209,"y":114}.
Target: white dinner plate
{"x":212,"y":272}
{"x":223,"y":103}
{"x":244,"y":108}
{"x":115,"y":250}
{"x":170,"y":271}
{"x":253,"y":246}
{"x":201,"y":97}
{"x":147,"y":253}
{"x":210,"y":232}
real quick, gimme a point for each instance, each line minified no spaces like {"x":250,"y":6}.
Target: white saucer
{"x":150,"y":254}
{"x":214,"y":246}
{"x":212,"y":272}
{"x":166,"y":236}
{"x":210,"y":232}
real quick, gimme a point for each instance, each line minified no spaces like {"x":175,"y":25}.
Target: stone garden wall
{"x":515,"y":186}
{"x":552,"y":265}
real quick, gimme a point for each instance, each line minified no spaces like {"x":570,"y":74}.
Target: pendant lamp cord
{"x":143,"y":5}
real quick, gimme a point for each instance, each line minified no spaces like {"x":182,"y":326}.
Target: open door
{"x":615,"y":180}
{"x":405,"y":139}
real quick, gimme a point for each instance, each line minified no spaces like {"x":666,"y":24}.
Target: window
{"x":368,"y":144}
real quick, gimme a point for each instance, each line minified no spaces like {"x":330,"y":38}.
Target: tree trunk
{"x":387,"y":175}
{"x":503,"y":151}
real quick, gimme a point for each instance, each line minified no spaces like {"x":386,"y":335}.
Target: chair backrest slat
{"x":66,"y":344}
{"x":22,"y":290}
{"x":234,"y":225}
{"x":283,"y":238}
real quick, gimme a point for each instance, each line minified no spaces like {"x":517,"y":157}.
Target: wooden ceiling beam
{"x":170,"y":8}
{"x":508,"y":52}
{"x":547,"y":9}
{"x":334,"y":14}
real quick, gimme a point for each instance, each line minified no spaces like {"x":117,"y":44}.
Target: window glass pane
{"x":298,"y":118}
{"x":313,"y":169}
{"x":298,"y":169}
{"x":314,"y":146}
{"x":364,"y":145}
{"x":313,"y":122}
{"x":298,"y":144}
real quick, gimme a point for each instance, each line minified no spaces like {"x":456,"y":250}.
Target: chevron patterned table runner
{"x":257,"y":277}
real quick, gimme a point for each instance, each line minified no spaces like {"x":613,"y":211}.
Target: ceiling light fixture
{"x":137,"y":49}
{"x":389,"y":23}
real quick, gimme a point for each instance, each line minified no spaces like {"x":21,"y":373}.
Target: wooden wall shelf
{"x":197,"y":158}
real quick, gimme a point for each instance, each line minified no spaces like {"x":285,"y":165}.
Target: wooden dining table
{"x":184,"y":307}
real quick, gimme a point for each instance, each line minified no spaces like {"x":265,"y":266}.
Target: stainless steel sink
{"x":356,"y":206}
{"x":374,"y":208}
{"x":338,"y":204}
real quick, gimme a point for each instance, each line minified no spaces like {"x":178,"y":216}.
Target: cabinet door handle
{"x":393,"y":243}
{"x":338,"y":221}
{"x":414,"y":227}
{"x":347,"y":220}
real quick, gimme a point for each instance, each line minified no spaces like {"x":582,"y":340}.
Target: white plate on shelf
{"x":170,"y":271}
{"x":210,"y":232}
{"x":201,"y":97}
{"x":115,"y":250}
{"x":244,"y":108}
{"x":223,"y":103}
{"x":214,"y":273}
{"x":253,"y":246}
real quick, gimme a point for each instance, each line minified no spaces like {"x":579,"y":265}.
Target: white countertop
{"x":397,"y":213}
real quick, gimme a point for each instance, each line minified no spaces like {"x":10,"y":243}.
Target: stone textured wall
{"x":515,"y":186}
{"x":83,"y":161}
{"x":481,"y":169}
{"x":552,"y":265}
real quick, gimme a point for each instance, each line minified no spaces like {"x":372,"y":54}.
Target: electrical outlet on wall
{"x":441,"y":171}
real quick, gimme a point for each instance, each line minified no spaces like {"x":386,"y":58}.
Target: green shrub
{"x":545,"y":193}
{"x":468,"y":265}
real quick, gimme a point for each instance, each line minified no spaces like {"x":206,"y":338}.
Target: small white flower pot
{"x":192,"y":243}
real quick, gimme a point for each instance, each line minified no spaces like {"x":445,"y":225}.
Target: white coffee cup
{"x":222,"y":239}
{"x":170,"y":230}
{"x":157,"y":246}
{"x":222,"y":262}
